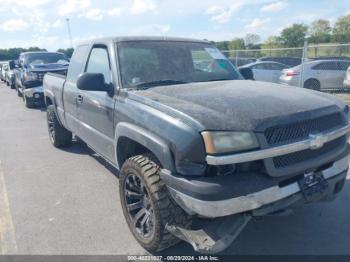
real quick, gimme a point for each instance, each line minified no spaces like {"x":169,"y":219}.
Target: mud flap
{"x":216,"y":236}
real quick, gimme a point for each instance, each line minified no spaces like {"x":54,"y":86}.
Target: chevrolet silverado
{"x":191,"y":138}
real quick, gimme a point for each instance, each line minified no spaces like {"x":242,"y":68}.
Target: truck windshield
{"x":45,"y":58}
{"x":153,"y":63}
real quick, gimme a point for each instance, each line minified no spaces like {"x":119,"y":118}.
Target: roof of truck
{"x":146,"y":38}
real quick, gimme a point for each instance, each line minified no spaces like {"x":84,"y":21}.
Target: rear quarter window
{"x":76,"y":63}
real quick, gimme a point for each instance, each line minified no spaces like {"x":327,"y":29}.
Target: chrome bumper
{"x":252,"y":201}
{"x":313,"y":142}
{"x":29,"y":92}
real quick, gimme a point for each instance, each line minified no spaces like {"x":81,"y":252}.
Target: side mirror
{"x":247,"y":73}
{"x":93,"y":82}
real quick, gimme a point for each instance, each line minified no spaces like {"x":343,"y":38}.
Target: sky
{"x":42,"y":23}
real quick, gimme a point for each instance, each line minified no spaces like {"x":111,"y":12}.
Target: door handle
{"x":79,"y":99}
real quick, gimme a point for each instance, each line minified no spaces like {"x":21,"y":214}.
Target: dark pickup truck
{"x":191,"y":138}
{"x":30,"y":72}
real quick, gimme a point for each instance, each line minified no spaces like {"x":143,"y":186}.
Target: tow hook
{"x":216,"y":236}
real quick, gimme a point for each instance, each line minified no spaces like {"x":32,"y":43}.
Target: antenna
{"x":69,"y":33}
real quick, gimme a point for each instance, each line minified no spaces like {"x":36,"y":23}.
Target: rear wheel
{"x":59,"y":136}
{"x":147,"y":205}
{"x":313,"y":84}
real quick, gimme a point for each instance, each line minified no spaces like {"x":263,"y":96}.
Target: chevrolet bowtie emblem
{"x":317,"y":141}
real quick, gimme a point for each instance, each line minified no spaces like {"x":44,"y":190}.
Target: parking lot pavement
{"x":67,"y":202}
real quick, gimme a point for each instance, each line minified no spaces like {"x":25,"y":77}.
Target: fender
{"x":48,"y":93}
{"x":147,"y":139}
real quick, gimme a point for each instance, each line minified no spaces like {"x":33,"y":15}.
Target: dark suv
{"x":30,"y":73}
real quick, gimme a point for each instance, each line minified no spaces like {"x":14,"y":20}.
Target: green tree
{"x":294,"y":36}
{"x":236,"y":44}
{"x":251,"y":41}
{"x":13,"y":53}
{"x":68,"y":52}
{"x":222,"y":45}
{"x":341,"y":30}
{"x":272,"y":42}
{"x":320,"y":31}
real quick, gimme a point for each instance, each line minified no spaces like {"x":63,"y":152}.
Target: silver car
{"x":268,"y":71}
{"x":317,"y":75}
{"x":346,"y":83}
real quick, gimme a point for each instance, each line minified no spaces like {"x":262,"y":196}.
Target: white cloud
{"x":143,"y":6}
{"x":274,"y":7}
{"x":150,"y":29}
{"x":73,"y":6}
{"x":222,"y":14}
{"x":14,"y":25}
{"x":93,"y":14}
{"x":258,"y":23}
{"x":27,"y":4}
{"x":57,"y":24}
{"x":114,"y":12}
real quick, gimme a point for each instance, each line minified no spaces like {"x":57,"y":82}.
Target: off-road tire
{"x":165,"y":210}
{"x":312,"y":84}
{"x":61,"y":136}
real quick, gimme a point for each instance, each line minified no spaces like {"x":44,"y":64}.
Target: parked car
{"x":242,"y":61}
{"x":266,"y":71}
{"x":191,"y":142}
{"x":9,"y":74}
{"x":317,"y":75}
{"x":346,"y":83}
{"x":330,"y":58}
{"x":289,"y":61}
{"x":30,"y":73}
{"x":2,"y":70}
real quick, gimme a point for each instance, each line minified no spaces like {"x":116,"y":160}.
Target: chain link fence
{"x":320,"y":67}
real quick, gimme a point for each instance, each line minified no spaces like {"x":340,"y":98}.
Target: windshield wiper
{"x":160,"y":83}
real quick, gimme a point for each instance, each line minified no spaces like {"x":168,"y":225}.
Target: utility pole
{"x":69,"y":33}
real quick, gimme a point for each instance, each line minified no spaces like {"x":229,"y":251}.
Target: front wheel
{"x":147,"y":205}
{"x":28,"y":102}
{"x":59,"y":136}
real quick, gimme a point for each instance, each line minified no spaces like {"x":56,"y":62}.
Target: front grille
{"x":308,"y":154}
{"x":301,"y":130}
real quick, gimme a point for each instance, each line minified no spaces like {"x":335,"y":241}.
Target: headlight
{"x":30,"y":76}
{"x":223,"y":142}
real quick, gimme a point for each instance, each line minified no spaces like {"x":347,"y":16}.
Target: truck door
{"x":68,"y":104}
{"x":96,"y":108}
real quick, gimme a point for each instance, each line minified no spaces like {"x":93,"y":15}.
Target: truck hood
{"x":48,"y":67}
{"x":239,"y":105}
